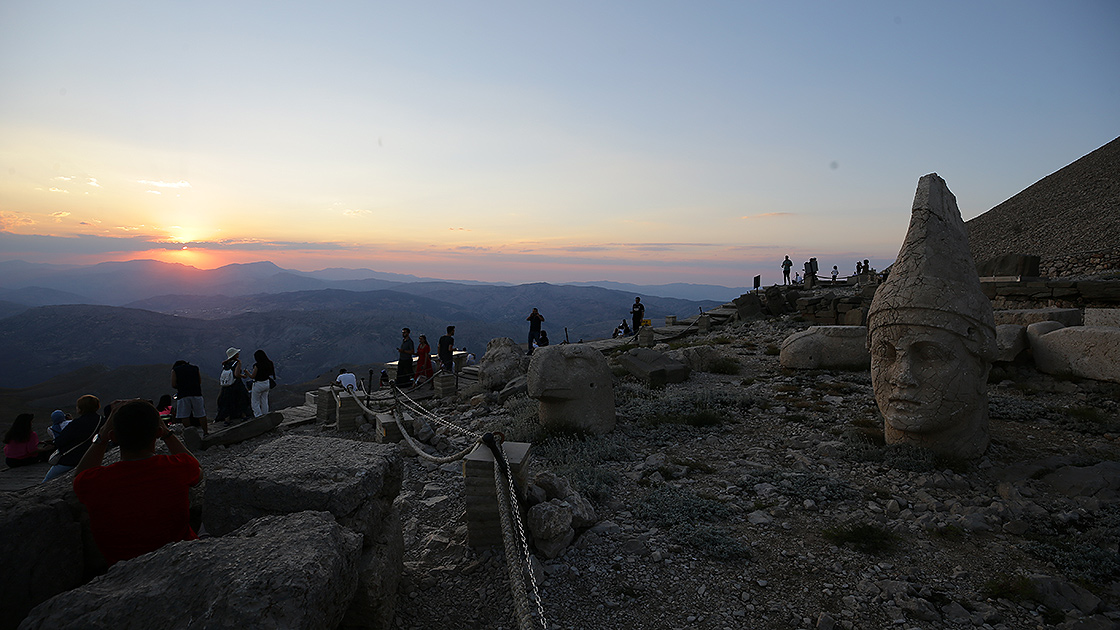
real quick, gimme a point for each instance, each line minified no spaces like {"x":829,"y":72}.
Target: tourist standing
{"x":77,"y":436}
{"x":787,"y":264}
{"x":187,"y":383}
{"x":404,"y":357}
{"x":534,"y":319}
{"x":637,"y":313}
{"x":445,"y":348}
{"x":835,"y":272}
{"x":264,"y":379}
{"x":424,"y":371}
{"x":233,"y":400}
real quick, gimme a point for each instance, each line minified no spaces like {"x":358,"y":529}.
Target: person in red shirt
{"x":142,"y":502}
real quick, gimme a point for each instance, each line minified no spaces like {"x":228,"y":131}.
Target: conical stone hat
{"x":934,"y":281}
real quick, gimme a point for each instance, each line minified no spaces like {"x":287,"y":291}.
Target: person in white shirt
{"x":348,"y":380}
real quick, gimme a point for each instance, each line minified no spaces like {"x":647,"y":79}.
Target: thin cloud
{"x":768,"y":215}
{"x":459,"y":229}
{"x":92,"y":181}
{"x":60,"y":190}
{"x":63,"y":178}
{"x":59,"y":216}
{"x":159,"y":184}
{"x":9,"y":220}
{"x":153,"y":192}
{"x":355,"y":213}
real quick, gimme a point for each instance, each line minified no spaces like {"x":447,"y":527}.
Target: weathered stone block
{"x":654,"y":367}
{"x":46,"y":546}
{"x":354,"y":481}
{"x":1102,"y":317}
{"x":826,"y":347}
{"x":1011,"y":340}
{"x":1028,"y":316}
{"x":501,"y":363}
{"x":1086,"y":351}
{"x":292,"y":571}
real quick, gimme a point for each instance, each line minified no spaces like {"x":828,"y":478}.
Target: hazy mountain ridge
{"x":121,"y":283}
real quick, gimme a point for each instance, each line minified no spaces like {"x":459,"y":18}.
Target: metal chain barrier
{"x":526,"y":601}
{"x":518,"y":560}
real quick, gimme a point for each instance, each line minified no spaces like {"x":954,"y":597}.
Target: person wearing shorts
{"x":187,"y":383}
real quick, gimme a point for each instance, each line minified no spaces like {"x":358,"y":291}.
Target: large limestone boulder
{"x":1086,"y":351}
{"x":1011,"y":341}
{"x":827,"y":347}
{"x":573,"y":385}
{"x":697,"y":358}
{"x":356,"y":482}
{"x":504,"y":361}
{"x":46,"y":547}
{"x":653,"y":367}
{"x":1102,"y":317}
{"x":1028,"y":316}
{"x":748,"y":305}
{"x":293,"y":571}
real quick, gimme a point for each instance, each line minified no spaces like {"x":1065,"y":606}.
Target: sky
{"x":647,"y":142}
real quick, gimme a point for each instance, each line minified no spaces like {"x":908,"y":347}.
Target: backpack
{"x":226,"y":378}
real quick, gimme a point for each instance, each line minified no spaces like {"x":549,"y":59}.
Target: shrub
{"x":714,"y":542}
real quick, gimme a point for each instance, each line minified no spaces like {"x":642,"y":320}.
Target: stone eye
{"x":884,"y":351}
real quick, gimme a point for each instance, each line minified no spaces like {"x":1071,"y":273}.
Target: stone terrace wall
{"x":1087,"y":264}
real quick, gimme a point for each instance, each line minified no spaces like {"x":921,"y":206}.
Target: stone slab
{"x":1028,"y":316}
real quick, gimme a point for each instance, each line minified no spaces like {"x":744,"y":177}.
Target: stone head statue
{"x":932,"y":335}
{"x":573,"y":385}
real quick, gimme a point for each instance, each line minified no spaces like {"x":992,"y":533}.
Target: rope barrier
{"x":518,"y":560}
{"x":526,"y":601}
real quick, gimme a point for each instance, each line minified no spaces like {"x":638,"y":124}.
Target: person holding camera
{"x":142,"y":502}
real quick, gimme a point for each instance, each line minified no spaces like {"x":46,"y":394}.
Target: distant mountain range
{"x":121,"y":283}
{"x":307,"y":331}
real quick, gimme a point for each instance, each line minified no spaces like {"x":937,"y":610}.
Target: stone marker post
{"x":484,"y":526}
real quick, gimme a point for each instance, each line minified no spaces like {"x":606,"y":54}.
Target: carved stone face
{"x":930,"y":388}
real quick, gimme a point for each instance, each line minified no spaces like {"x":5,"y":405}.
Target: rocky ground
{"x":766,"y":499}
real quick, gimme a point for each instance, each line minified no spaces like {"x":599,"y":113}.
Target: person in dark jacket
{"x":77,"y":437}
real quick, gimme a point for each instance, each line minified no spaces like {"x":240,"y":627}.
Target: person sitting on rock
{"x":142,"y":502}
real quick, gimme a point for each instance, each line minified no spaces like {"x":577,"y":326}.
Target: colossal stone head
{"x":932,"y":335}
{"x":573,"y":385}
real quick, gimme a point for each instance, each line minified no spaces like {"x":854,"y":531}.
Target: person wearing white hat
{"x":233,"y":400}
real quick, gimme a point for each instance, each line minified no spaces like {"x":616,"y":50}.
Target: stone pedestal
{"x":388,"y":429}
{"x":704,"y":323}
{"x":484,"y":525}
{"x":645,"y":337}
{"x":350,"y":414}
{"x":445,"y":385}
{"x":670,"y":320}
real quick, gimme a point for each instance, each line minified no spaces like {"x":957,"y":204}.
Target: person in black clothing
{"x":405,"y":353}
{"x":542,"y":341}
{"x":264,"y":378}
{"x":445,"y":349}
{"x":638,"y":313}
{"x":77,"y":436}
{"x":187,"y":383}
{"x":534,"y":320}
{"x":233,"y":400}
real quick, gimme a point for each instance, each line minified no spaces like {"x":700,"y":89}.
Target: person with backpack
{"x":233,"y":399}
